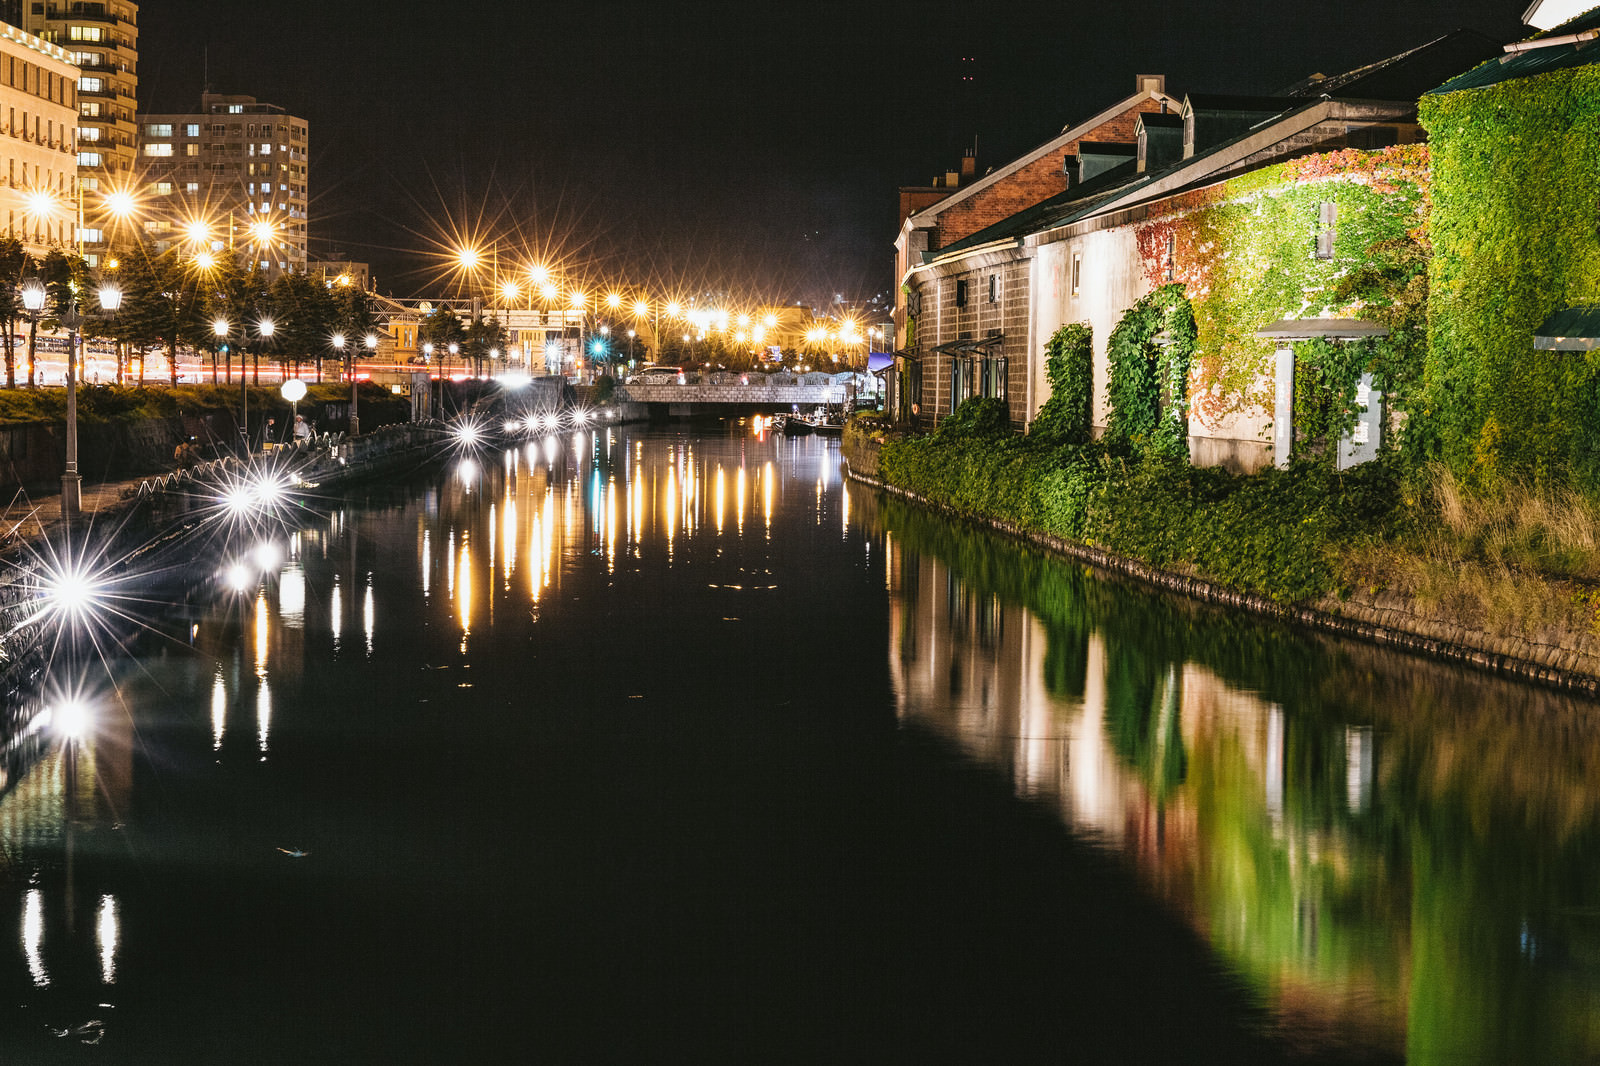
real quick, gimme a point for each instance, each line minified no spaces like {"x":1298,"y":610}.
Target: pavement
{"x":33,"y":517}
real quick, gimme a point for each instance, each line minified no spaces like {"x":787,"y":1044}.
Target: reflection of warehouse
{"x":1164,"y":760}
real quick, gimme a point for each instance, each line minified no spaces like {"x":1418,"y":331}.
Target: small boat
{"x":795,"y":426}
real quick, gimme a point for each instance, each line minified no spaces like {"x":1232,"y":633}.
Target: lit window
{"x":235,"y":109}
{"x":92,"y":236}
{"x":88,"y":159}
{"x":266,"y":149}
{"x":191,"y":149}
{"x":91,"y":85}
{"x":191,"y":187}
{"x":89,"y":133}
{"x":84,"y":33}
{"x":163,"y":188}
{"x":89,"y":108}
{"x":162,"y":148}
{"x":192,"y":129}
{"x":158,"y":129}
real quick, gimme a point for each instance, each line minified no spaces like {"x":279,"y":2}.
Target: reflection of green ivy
{"x":1148,"y":353}
{"x":1069,"y":368}
{"x":1513,"y":228}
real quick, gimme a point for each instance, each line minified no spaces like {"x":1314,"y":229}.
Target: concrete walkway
{"x":32,"y":517}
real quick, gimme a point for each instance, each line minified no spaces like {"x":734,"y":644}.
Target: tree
{"x":304,"y":318}
{"x":14,"y":262}
{"x":163,"y":301}
{"x":355,"y":315}
{"x":481,"y":337}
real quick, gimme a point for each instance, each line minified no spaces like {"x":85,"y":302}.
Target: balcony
{"x":84,"y":13}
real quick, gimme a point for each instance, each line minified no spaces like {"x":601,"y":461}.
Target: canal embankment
{"x":1506,"y":620}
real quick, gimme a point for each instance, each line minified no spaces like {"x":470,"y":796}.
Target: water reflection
{"x":1403,"y":858}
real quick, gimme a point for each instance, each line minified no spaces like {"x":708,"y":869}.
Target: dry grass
{"x":1517,"y":561}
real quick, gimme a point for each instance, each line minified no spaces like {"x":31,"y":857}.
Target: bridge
{"x":724,"y":393}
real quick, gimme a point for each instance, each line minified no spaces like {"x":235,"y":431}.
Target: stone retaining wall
{"x":1390,"y":621}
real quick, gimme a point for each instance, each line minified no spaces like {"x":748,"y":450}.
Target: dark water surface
{"x":666,"y":747}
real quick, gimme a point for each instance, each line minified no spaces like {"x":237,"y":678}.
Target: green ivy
{"x":1326,"y":376}
{"x":1067,"y":416}
{"x":1513,"y":229}
{"x":1149,"y":353}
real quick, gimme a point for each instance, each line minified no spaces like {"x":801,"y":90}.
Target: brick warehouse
{"x":1073,"y":256}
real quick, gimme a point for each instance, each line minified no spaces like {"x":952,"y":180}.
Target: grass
{"x":1516,"y":560}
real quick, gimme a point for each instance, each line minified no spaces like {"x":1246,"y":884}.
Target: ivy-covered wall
{"x":1516,"y":190}
{"x":1245,"y":252}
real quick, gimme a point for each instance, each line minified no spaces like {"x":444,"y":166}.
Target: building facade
{"x":38,"y":114}
{"x":100,"y":38}
{"x":231,"y":177}
{"x":1116,"y":232}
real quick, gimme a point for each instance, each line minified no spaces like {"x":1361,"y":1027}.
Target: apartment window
{"x":994,"y":288}
{"x":89,"y":109}
{"x":89,"y":133}
{"x":235,"y":109}
{"x":89,"y":159}
{"x":163,"y":188}
{"x":1327,"y":220}
{"x":191,"y":129}
{"x":961,"y":293}
{"x":158,"y":149}
{"x":191,"y":149}
{"x":158,"y":129}
{"x":84,"y":33}
{"x":191,"y":187}
{"x":266,"y":149}
{"x":91,"y":85}
{"x":218,"y":129}
{"x":92,"y":236}
{"x":1077,"y":272}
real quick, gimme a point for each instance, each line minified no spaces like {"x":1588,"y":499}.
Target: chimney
{"x":969,"y":163}
{"x":952,"y":179}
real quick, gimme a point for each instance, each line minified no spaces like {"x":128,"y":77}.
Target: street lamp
{"x":72,"y":318}
{"x":33,"y":297}
{"x":294,"y":391}
{"x":355,"y":418}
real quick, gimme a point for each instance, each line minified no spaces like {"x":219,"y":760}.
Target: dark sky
{"x":753,"y":148}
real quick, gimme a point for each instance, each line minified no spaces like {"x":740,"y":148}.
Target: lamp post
{"x":355,"y":381}
{"x":33,"y":296}
{"x":71,"y":480}
{"x":293,"y":390}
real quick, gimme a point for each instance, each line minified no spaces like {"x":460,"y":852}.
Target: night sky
{"x":708,"y":146}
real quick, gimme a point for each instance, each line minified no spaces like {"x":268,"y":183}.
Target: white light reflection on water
{"x":33,"y":937}
{"x":336,"y":613}
{"x":720,"y":497}
{"x":263,"y":691}
{"x":611,"y":527}
{"x":264,"y":719}
{"x":769,"y":480}
{"x":369,"y":614}
{"x":509,"y":538}
{"x":219,"y":710}
{"x":450,"y":565}
{"x":106,"y":929}
{"x":427,"y":557}
{"x":739,"y":499}
{"x":292,"y":596}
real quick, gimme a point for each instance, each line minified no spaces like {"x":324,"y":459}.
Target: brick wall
{"x":1031,"y":183}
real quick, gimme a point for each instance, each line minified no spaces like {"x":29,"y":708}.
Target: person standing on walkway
{"x":302,"y":429}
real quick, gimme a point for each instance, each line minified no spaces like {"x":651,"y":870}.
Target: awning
{"x":877,"y":361}
{"x":1576,"y":329}
{"x":1333,"y":329}
{"x":970,"y":345}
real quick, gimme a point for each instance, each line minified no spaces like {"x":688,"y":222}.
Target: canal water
{"x":647,"y":745}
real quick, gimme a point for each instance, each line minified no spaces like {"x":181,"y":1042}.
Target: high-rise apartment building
{"x":232,"y":176}
{"x":101,"y":38}
{"x":38,"y":167}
